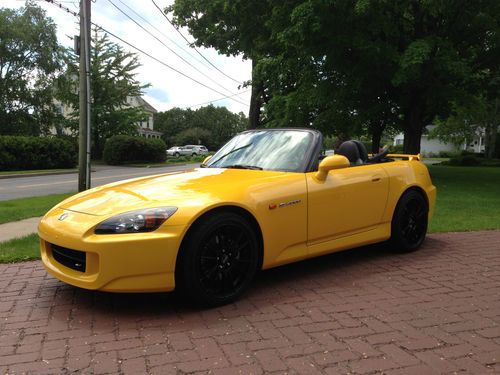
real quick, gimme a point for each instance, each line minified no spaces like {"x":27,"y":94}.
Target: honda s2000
{"x":265,"y":199}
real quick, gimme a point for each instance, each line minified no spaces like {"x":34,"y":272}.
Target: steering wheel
{"x":382,"y":154}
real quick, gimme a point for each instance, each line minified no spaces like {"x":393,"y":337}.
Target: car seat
{"x":351,"y":151}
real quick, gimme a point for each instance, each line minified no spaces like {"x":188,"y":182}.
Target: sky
{"x":168,"y":88}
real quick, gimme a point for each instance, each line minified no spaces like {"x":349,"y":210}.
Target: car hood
{"x":197,"y":187}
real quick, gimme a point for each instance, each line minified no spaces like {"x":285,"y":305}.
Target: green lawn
{"x":18,"y":209}
{"x":20,"y":249}
{"x":468,"y":198}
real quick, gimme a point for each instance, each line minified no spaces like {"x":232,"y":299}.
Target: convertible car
{"x":266,"y":198}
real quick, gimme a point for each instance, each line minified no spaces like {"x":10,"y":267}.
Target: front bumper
{"x":135,"y":262}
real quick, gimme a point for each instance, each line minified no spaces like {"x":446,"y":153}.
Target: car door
{"x":349,"y":201}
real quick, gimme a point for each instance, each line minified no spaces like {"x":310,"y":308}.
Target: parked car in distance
{"x":194,"y":150}
{"x":190,"y":150}
{"x":174,"y":151}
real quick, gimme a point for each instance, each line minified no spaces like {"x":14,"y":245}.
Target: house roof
{"x":148,"y":107}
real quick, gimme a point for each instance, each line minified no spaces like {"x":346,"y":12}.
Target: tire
{"x":409,"y":222}
{"x":218,"y":260}
{"x":177,"y":154}
{"x":193,"y":154}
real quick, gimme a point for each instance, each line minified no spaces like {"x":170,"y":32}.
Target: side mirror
{"x":329,"y":163}
{"x":206,"y":160}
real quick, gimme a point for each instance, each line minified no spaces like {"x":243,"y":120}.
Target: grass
{"x":171,"y":161}
{"x":18,"y":209}
{"x":20,"y":249}
{"x":35,"y":171}
{"x":468,"y":198}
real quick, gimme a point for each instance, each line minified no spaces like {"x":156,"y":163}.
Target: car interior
{"x":356,"y":152}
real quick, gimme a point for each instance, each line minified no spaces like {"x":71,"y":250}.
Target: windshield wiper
{"x":243,"y":166}
{"x":229,"y":153}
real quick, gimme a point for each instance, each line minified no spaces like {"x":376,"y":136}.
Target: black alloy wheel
{"x":219,"y":260}
{"x":409,"y":223}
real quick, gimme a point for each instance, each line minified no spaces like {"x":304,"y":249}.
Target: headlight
{"x":136,"y":221}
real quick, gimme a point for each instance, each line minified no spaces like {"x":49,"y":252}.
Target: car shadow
{"x":331,"y":273}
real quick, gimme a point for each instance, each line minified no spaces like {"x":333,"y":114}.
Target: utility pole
{"x":84,"y":134}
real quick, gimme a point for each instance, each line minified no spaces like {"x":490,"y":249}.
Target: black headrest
{"x":362,"y":150}
{"x":349,"y":149}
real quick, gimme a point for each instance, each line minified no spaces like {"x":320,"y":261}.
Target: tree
{"x":418,"y":56}
{"x":343,"y":64}
{"x":30,"y":60}
{"x":213,"y":126}
{"x":232,"y":27}
{"x":220,"y":122}
{"x":173,"y":122}
{"x":193,"y":136}
{"x":113,"y":81}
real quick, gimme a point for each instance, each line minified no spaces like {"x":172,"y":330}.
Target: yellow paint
{"x":335,"y":208}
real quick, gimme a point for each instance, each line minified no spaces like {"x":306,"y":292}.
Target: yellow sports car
{"x":265,"y":199}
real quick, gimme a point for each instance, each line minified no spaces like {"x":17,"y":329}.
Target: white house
{"x":431,"y":147}
{"x":145,"y":128}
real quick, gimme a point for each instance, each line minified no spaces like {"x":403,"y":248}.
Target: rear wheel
{"x":177,"y":154}
{"x":218,"y":261}
{"x":409,"y":223}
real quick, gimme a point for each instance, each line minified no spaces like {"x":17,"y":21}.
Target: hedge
{"x":22,"y":153}
{"x":121,"y":149}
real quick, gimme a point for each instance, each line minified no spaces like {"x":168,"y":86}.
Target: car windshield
{"x":277,"y":150}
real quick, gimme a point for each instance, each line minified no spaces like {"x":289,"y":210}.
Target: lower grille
{"x":73,"y":259}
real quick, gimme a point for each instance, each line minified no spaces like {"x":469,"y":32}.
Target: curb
{"x":21,"y":175}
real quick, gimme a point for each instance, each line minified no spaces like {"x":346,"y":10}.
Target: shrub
{"x":22,"y":153}
{"x":465,"y":160}
{"x":121,"y":149}
{"x":448,"y":154}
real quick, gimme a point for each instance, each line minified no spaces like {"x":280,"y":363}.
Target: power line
{"x":145,"y":53}
{"x":216,"y":100}
{"x":162,"y":34}
{"x":190,"y":44}
{"x":163,"y":63}
{"x":171,"y":50}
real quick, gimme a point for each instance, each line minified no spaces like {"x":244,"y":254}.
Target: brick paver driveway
{"x":367,"y":310}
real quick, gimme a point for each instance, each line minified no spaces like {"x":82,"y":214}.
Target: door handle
{"x":376,"y":178}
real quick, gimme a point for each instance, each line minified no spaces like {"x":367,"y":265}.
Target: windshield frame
{"x":310,"y":157}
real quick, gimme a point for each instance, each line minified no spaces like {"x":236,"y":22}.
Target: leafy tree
{"x":193,"y":136}
{"x":172,"y":122}
{"x":220,"y":122}
{"x":415,"y":56}
{"x":113,"y":80}
{"x":341,"y":65}
{"x":213,"y":126}
{"x":30,"y":59}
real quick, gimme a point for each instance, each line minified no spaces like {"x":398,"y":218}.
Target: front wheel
{"x":218,"y":260}
{"x":409,"y":223}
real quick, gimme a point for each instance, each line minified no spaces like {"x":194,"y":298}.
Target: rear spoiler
{"x":417,"y":157}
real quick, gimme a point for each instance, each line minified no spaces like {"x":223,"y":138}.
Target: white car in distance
{"x":190,"y":150}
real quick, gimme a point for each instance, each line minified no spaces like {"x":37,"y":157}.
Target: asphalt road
{"x":22,"y":187}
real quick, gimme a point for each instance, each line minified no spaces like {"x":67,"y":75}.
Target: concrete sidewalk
{"x":16,"y":229}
